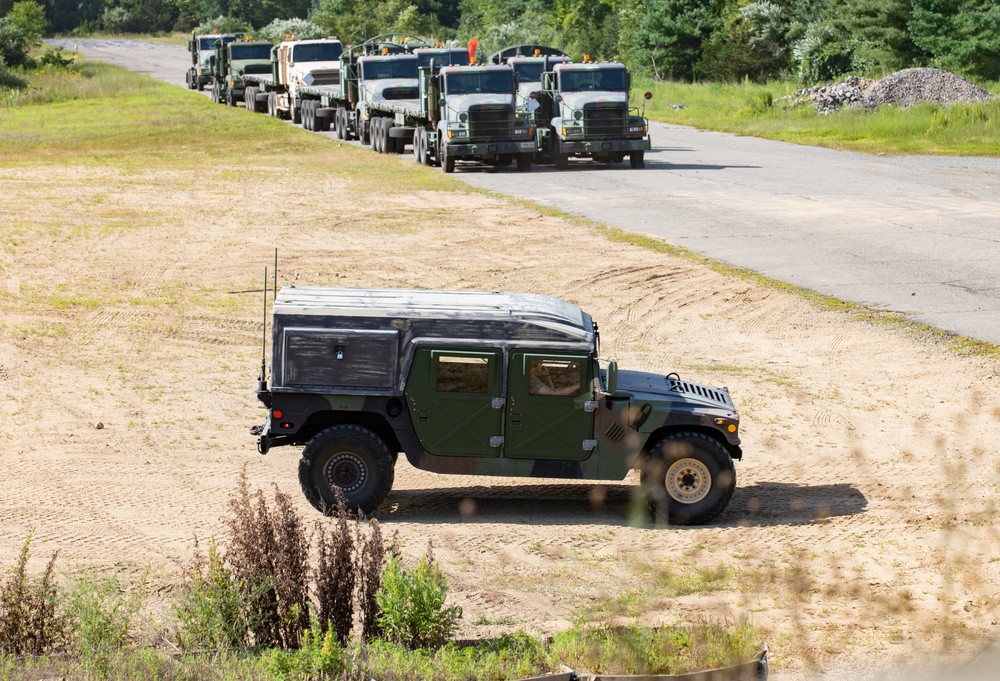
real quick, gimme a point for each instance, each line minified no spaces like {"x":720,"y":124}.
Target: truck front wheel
{"x":637,"y":159}
{"x":688,"y":478}
{"x":349,"y":458}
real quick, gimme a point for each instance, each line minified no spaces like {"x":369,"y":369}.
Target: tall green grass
{"x":752,"y":109}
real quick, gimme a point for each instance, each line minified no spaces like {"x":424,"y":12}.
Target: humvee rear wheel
{"x":349,"y":458}
{"x":688,"y":478}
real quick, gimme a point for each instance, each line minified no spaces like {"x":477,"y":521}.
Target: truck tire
{"x":341,"y":124}
{"x":390,"y":141}
{"x":198,"y":84}
{"x":308,"y":120}
{"x":417,"y":147}
{"x":637,"y":159}
{"x":296,"y":114}
{"x":688,"y":478}
{"x":524,"y":162}
{"x":447,"y":160}
{"x":351,"y":458}
{"x":272,"y":110}
{"x":561,"y":161}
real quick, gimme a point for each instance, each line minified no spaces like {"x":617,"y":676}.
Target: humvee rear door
{"x":546,"y":416}
{"x":451,"y":397}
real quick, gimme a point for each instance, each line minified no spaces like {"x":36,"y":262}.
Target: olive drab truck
{"x":294,"y":64}
{"x":528,"y":62}
{"x":584,"y":112}
{"x":233,"y":61}
{"x":496,"y":384}
{"x":202,"y":49}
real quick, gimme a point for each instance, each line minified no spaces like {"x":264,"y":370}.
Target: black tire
{"x":416,"y":145}
{"x":342,"y":124}
{"x":199,"y":84}
{"x":524,"y":162}
{"x":349,"y":457}
{"x":688,"y":478}
{"x":308,"y":116}
{"x":561,"y":161}
{"x":637,"y":159}
{"x":447,"y":160}
{"x":296,"y":114}
{"x":504,"y":160}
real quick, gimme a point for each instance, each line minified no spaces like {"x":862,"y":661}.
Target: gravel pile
{"x":903,"y":88}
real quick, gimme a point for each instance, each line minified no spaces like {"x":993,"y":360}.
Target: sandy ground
{"x":862,"y":534}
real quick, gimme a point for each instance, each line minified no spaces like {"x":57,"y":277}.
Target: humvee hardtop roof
{"x":527,"y":308}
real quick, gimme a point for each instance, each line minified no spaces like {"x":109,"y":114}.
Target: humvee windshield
{"x":477,"y":82}
{"x":449,"y":57}
{"x":209,"y":42}
{"x":389,"y":68}
{"x":592,"y":79}
{"x":529,"y":72}
{"x":317,"y":52}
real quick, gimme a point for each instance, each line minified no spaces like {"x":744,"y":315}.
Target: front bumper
{"x":604,"y":146}
{"x":491,"y":149}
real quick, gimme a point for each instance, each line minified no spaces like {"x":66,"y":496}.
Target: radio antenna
{"x":275,"y":275}
{"x":262,"y":379}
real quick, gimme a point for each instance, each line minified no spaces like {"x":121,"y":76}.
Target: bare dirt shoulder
{"x":863,"y":529}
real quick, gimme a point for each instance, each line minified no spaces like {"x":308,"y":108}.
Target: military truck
{"x":233,"y":61}
{"x":202,"y":49}
{"x":528,"y":62}
{"x":585,"y":113}
{"x":294,"y":64}
{"x":470,"y":383}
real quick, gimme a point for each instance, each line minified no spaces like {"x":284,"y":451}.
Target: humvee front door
{"x":454,"y":401}
{"x":546,"y":406}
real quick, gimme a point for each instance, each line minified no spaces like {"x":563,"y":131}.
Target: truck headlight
{"x":637,"y":128}
{"x":522,"y":131}
{"x":572,"y":131}
{"x":457,"y":133}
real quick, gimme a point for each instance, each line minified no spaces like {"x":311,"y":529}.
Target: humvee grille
{"x":604,"y":120}
{"x":400,"y":92}
{"x":615,"y":433}
{"x":705,"y":391}
{"x":491,"y":121}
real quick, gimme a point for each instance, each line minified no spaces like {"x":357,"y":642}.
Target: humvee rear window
{"x":462,"y":374}
{"x":554,"y":377}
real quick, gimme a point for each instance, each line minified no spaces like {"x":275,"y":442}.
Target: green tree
{"x":880,"y":29}
{"x":30,"y":17}
{"x":20,"y":30}
{"x":667,"y":38}
{"x":751,"y":41}
{"x":959,"y":35}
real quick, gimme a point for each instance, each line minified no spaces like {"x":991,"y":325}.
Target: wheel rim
{"x":345,"y":471}
{"x":688,"y":481}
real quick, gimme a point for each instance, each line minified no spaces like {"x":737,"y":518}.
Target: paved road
{"x":918,"y":235}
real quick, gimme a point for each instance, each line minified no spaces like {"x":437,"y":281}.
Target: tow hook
{"x":262,"y":444}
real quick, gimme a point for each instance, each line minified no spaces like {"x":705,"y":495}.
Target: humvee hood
{"x":639,"y":383}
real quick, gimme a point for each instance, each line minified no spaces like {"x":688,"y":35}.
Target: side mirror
{"x":612,"y":377}
{"x":190,"y":46}
{"x":442,"y":101}
{"x":647,"y":95}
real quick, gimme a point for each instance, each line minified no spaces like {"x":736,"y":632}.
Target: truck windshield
{"x":317,"y":52}
{"x":389,"y":68}
{"x":238,"y":52}
{"x":209,"y":42}
{"x":475,"y":82}
{"x":529,"y":72}
{"x":592,"y":79}
{"x":449,"y":57}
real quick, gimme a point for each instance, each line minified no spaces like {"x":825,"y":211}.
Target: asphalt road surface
{"x":917,"y":235}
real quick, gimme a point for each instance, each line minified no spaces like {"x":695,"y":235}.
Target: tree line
{"x":708,"y":40}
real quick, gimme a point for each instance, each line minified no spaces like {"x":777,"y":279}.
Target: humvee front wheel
{"x":349,"y":458}
{"x":688,"y":478}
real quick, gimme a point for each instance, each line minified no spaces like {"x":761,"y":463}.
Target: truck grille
{"x":703,"y":391}
{"x":491,"y":121}
{"x":257,"y":69}
{"x":400,"y":92}
{"x":604,"y":121}
{"x":325,"y":78}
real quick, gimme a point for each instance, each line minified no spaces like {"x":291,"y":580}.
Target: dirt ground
{"x":862,"y":533}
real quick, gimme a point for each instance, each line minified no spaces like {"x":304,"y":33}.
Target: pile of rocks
{"x":903,"y":88}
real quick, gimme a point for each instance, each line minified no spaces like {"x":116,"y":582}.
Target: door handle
{"x":515,"y":419}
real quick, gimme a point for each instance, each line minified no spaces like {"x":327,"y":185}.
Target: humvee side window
{"x":462,"y":374}
{"x":554,"y":377}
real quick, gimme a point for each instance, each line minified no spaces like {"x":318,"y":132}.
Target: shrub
{"x":212,"y":612}
{"x":9,"y":80}
{"x":412,"y":604}
{"x":101,"y":615}
{"x":29,"y":618}
{"x":320,"y":656}
{"x":334,"y":574}
{"x":222,"y":24}
{"x":301,"y":29}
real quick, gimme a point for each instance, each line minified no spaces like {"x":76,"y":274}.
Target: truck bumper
{"x":604,"y":146}
{"x":491,"y":149}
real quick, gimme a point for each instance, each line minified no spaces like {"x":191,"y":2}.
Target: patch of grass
{"x":754,"y":109}
{"x":510,"y":657}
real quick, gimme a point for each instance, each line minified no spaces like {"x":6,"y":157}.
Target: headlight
{"x":457,"y":133}
{"x":636,"y":128}
{"x":463,"y":117}
{"x":572,"y":131}
{"x":520,"y":131}
{"x":578,"y":114}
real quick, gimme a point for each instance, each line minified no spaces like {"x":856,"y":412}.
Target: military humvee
{"x":481,"y":384}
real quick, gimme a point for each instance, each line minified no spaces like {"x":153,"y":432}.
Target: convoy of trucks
{"x":202,"y":49}
{"x":529,"y":104}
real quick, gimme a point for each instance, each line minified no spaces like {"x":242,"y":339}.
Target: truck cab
{"x":470,"y":383}
{"x":385,"y":77}
{"x":529,"y":78}
{"x":586,"y":113}
{"x":297,"y":63}
{"x":478,"y":117}
{"x":202,"y":49}
{"x":442,"y":56}
{"x":234,"y":60}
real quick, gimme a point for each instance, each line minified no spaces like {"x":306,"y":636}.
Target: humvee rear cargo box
{"x":481,"y":383}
